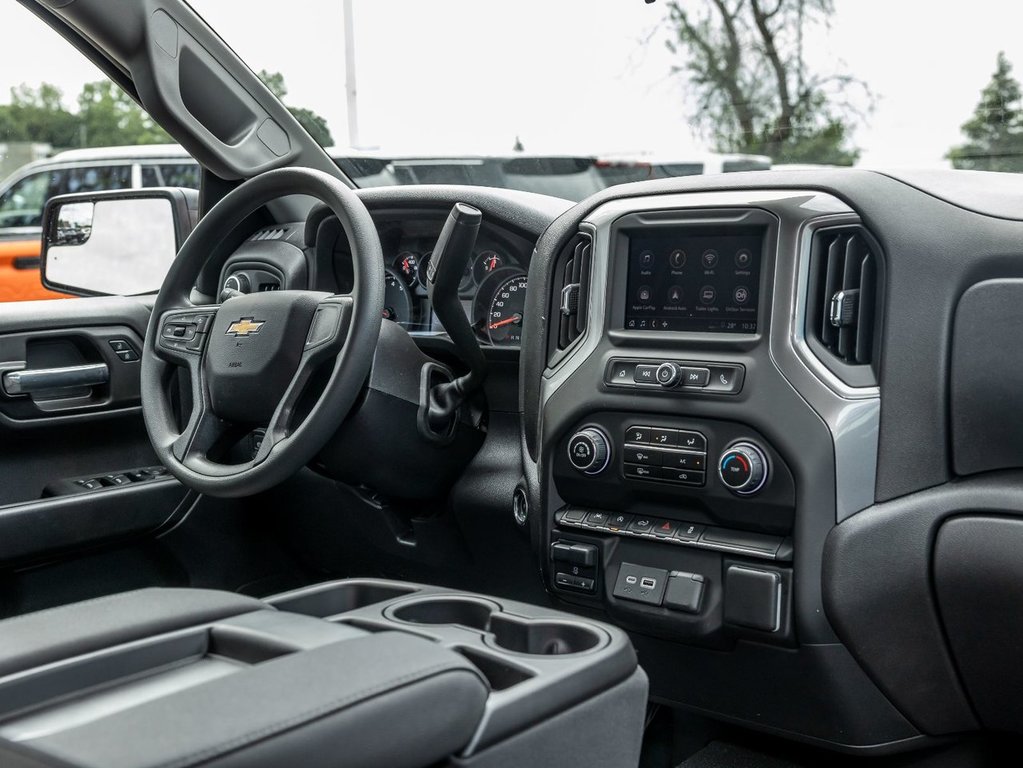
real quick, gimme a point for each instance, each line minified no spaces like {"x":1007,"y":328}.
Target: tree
{"x":752,"y":89}
{"x":315,"y":125}
{"x":108,"y":117}
{"x":995,"y":132}
{"x":38,"y":115}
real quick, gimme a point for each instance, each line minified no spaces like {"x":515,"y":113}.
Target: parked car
{"x":25,"y":192}
{"x":623,"y":168}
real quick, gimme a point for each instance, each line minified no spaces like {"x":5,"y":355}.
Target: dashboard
{"x":743,"y":419}
{"x":492,"y":290}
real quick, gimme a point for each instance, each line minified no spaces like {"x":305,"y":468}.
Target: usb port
{"x":647,"y":583}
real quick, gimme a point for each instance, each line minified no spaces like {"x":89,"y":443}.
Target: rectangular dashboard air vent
{"x":571,"y":294}
{"x":844,"y":302}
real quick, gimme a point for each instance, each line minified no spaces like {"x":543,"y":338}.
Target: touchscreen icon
{"x":709,"y":258}
{"x":675,"y":294}
{"x":743,"y":259}
{"x":644,"y":293}
{"x":708,"y":294}
{"x":646,"y":258}
{"x":741,"y":295}
{"x":677,"y":258}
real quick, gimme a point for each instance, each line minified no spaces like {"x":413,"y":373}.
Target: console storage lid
{"x":267,"y":688}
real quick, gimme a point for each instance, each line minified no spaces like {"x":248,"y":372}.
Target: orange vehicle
{"x":19,"y":272}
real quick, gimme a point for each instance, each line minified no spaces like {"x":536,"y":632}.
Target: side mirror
{"x":117,"y":243}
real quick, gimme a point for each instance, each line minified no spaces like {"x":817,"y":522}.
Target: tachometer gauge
{"x":406,"y":264}
{"x":504,"y":316}
{"x":486,"y":262}
{"x":397,"y":300}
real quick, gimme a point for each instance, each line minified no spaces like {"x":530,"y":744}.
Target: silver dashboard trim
{"x":852,"y":414}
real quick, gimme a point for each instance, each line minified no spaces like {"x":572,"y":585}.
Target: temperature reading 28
{"x":504,"y":320}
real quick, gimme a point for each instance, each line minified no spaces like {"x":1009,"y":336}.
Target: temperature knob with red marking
{"x":743,"y":469}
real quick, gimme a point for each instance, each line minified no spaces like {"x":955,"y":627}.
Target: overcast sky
{"x":568,"y":75}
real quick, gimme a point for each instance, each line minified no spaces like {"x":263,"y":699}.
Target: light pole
{"x":350,"y":92}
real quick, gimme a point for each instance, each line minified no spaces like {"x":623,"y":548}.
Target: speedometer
{"x":504,"y":317}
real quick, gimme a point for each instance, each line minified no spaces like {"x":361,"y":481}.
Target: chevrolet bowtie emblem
{"x":245,"y":327}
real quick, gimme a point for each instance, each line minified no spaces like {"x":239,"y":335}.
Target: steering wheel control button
{"x":695,"y":377}
{"x":179,"y":331}
{"x":668,"y":374}
{"x":743,"y":469}
{"x":641,"y":584}
{"x":589,"y":451}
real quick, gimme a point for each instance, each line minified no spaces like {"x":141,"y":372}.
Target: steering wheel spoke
{"x":327,"y":334}
{"x":182,"y":334}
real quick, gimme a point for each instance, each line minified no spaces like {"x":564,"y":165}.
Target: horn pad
{"x":253,"y":352}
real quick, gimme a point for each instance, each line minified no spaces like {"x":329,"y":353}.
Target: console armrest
{"x":388,"y":699}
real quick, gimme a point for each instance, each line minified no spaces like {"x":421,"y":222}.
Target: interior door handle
{"x":27,"y":381}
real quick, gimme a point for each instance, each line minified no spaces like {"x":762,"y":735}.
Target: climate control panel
{"x":664,"y":455}
{"x":703,"y":471}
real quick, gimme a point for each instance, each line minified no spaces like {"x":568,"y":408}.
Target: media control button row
{"x":676,"y":375}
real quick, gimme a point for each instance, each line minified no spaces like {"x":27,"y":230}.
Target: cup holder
{"x":535,"y":637}
{"x":541,"y":638}
{"x":339,"y":597}
{"x":463,"y":611}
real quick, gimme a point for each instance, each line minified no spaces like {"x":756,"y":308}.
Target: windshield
{"x":566,"y":98}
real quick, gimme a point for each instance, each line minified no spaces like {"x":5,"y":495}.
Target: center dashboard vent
{"x":570,"y":297}
{"x":844,"y":303}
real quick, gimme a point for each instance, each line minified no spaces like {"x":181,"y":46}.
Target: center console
{"x":679,"y":522}
{"x":693,"y":453}
{"x":354,"y":672}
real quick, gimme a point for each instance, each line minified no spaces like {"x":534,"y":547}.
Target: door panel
{"x":78,"y":470}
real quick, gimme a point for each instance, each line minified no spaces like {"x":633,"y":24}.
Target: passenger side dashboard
{"x":879,"y":441}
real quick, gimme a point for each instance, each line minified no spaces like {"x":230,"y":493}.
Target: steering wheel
{"x":249,"y":359}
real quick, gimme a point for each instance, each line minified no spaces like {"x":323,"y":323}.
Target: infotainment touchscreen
{"x":694,"y":279}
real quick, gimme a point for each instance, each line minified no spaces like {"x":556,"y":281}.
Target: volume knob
{"x":668,"y":374}
{"x":743,"y":469}
{"x":589,"y":450}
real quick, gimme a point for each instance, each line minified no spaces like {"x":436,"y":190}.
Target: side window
{"x":98,"y":178}
{"x":22,"y":204}
{"x":171,"y":175}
